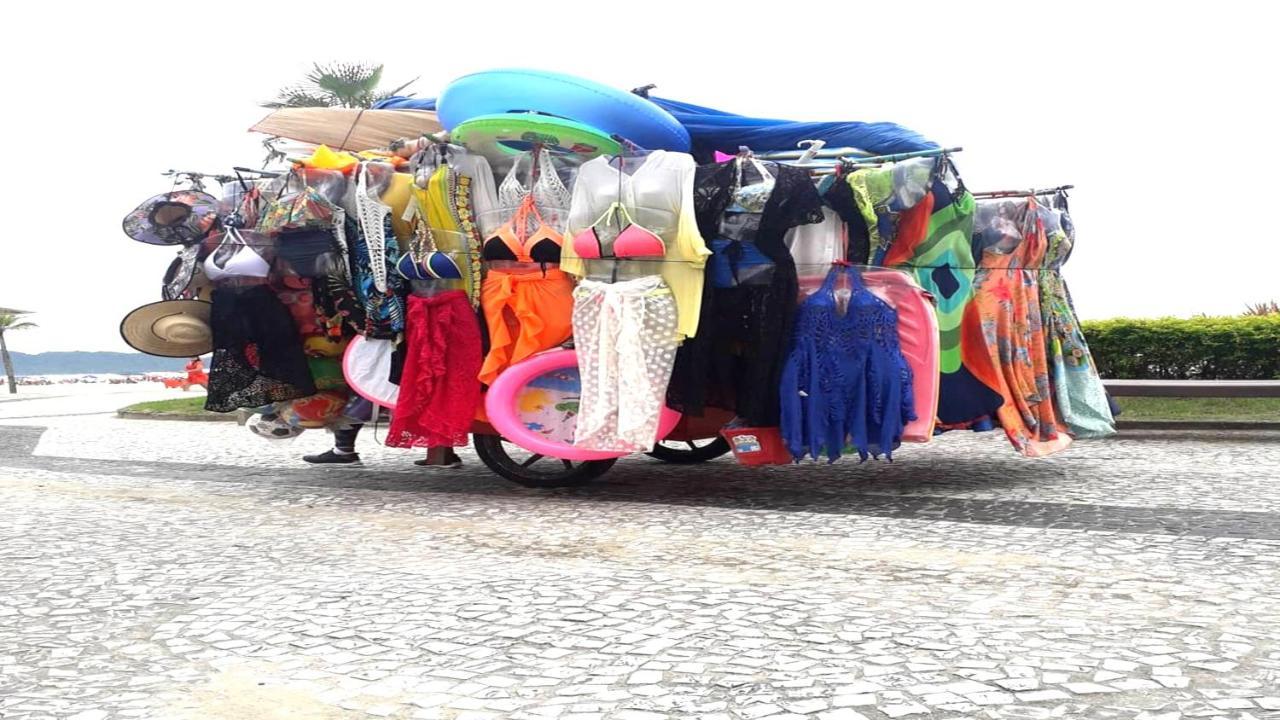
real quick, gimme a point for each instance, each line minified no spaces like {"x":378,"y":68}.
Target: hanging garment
{"x":257,"y":353}
{"x":439,"y":391}
{"x":463,"y":164}
{"x":845,"y":380}
{"x":882,"y":194}
{"x":912,"y":229}
{"x":525,"y":313}
{"x":445,"y":206}
{"x":625,"y":334}
{"x":838,"y":195}
{"x":527,"y":238}
{"x":337,"y":305}
{"x":550,"y":195}
{"x":744,"y":330}
{"x":1007,"y":302}
{"x":383,"y":309}
{"x":657,"y":192}
{"x":815,"y":247}
{"x":235,"y":257}
{"x":399,"y":197}
{"x":375,"y":228}
{"x":455,"y":191}
{"x":942,"y":262}
{"x":1079,"y":394}
{"x":296,"y":296}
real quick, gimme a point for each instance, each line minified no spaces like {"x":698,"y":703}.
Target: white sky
{"x":1162,"y":114}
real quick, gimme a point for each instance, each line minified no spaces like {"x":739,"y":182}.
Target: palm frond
{"x":297,"y":96}
{"x":336,"y":84}
{"x":398,"y":90}
{"x":350,"y":84}
{"x":1262,"y":308}
{"x":9,"y":321}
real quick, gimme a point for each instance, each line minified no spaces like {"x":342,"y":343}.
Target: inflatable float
{"x":534,"y":404}
{"x":612,"y":111}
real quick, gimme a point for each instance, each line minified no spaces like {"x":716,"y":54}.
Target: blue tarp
{"x":716,"y":130}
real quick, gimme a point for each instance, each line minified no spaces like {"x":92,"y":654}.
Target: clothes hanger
{"x":1024,"y":193}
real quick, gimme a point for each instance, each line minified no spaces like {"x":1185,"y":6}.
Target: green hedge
{"x":1216,"y":348}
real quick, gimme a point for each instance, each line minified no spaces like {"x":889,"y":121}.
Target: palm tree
{"x":8,"y":322}
{"x":352,"y":85}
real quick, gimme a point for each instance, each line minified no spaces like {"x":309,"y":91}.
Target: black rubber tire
{"x":693,"y":455}
{"x":537,"y":471}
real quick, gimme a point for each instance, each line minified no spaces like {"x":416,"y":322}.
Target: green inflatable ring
{"x":506,"y":134}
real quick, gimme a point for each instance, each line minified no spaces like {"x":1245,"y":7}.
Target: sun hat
{"x":169,"y":328}
{"x":181,"y":217}
{"x":177,"y":279}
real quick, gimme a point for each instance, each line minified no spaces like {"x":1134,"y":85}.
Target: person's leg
{"x":344,"y":448}
{"x":443,"y":456}
{"x":344,"y":439}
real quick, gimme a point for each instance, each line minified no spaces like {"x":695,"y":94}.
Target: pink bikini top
{"x":633,"y":242}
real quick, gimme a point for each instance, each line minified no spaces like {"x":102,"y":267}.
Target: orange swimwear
{"x":526,"y":313}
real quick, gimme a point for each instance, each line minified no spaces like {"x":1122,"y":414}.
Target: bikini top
{"x":633,"y":241}
{"x":512,"y":241}
{"x":751,"y":198}
{"x":548,"y":191}
{"x":235,"y":258}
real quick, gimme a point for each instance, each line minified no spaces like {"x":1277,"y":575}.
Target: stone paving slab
{"x":1135,"y":579}
{"x":1222,"y":471}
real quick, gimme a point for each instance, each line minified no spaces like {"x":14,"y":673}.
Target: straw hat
{"x":169,"y":328}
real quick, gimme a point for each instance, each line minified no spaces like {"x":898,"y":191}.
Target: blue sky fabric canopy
{"x":717,"y":130}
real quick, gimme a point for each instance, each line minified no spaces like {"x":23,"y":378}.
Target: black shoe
{"x":329,"y":456}
{"x":450,"y":461}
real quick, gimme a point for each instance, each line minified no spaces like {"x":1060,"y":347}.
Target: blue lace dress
{"x":845,"y":381}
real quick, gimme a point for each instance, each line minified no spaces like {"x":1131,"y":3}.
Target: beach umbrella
{"x":347,"y":128}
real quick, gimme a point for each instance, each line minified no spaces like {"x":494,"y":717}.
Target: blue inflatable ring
{"x":614,"y":111}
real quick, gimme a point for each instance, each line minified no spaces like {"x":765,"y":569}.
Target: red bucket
{"x":757,"y":446}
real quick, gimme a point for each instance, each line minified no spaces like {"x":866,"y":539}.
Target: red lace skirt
{"x":438,"y":388}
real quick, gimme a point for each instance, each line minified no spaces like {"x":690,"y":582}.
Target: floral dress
{"x":1078,"y":391}
{"x":1010,"y":240}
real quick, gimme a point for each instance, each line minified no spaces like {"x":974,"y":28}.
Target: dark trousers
{"x":344,"y":439}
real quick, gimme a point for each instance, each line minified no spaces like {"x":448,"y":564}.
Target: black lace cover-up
{"x":257,"y":354}
{"x":735,"y":361}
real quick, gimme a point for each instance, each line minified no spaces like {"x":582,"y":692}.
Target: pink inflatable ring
{"x":503,"y":405}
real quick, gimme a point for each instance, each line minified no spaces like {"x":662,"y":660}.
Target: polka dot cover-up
{"x":626,"y":336}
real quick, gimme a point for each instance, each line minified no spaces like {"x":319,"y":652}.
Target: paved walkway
{"x":191,"y":570}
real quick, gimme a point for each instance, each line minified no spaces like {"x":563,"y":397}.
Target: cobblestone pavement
{"x":189,"y":570}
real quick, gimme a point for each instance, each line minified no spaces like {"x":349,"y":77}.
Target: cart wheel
{"x":532,"y":470}
{"x":689,"y":452}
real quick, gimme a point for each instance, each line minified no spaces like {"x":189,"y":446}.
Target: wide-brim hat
{"x":181,"y":217}
{"x":177,"y":279}
{"x":169,"y":328}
